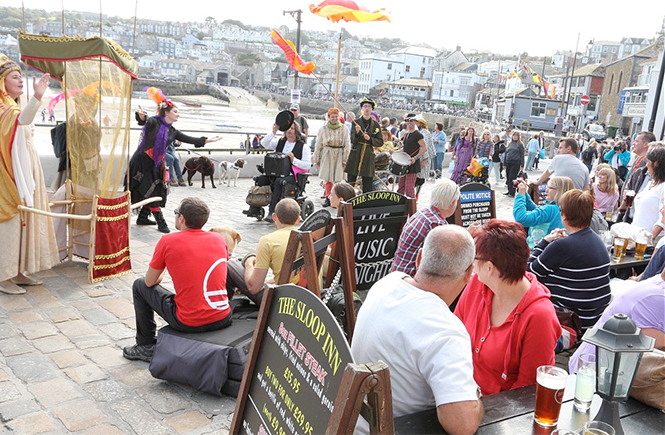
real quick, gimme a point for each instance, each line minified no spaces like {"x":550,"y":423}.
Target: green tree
{"x":248,"y":59}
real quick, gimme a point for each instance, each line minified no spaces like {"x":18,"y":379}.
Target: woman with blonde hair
{"x":606,"y":190}
{"x":546,"y":217}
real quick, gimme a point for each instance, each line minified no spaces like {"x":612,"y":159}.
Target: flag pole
{"x":339,"y":53}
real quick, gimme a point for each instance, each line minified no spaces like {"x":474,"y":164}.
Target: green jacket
{"x":359,"y":146}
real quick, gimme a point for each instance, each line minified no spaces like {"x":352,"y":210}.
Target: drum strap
{"x":416,"y":153}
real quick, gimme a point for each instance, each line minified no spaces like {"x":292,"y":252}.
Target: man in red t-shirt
{"x":196,"y":261}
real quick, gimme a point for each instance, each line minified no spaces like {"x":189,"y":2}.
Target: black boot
{"x":161,"y":223}
{"x":144,"y":217}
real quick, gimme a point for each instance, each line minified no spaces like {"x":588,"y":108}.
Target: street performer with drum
{"x":415,"y":147}
{"x":367,"y":136}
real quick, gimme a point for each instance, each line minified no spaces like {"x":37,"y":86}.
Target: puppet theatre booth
{"x":91,"y":211}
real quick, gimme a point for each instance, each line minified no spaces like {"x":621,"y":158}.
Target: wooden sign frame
{"x":311,"y":257}
{"x":357,"y":383}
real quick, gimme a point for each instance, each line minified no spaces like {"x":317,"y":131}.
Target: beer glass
{"x":585,"y":384}
{"x":597,"y":428}
{"x":630,"y":197}
{"x":564,"y":432}
{"x":550,"y":383}
{"x":618,"y":249}
{"x":640,"y":248}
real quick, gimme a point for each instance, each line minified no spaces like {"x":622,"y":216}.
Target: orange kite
{"x":347,"y":10}
{"x":292,"y":56}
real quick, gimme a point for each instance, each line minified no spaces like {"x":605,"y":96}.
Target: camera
{"x":521,"y":177}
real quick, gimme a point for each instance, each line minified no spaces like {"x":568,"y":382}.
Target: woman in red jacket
{"x":507,"y":312}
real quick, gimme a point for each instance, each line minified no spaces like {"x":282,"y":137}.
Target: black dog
{"x":203,"y":165}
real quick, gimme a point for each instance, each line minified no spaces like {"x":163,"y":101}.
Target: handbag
{"x":570,"y":319}
{"x":542,"y":153}
{"x":259,"y":196}
{"x":649,"y":384}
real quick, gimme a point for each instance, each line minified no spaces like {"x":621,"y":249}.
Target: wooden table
{"x":511,"y":412}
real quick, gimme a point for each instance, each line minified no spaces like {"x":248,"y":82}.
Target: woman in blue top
{"x":618,"y":157}
{"x":533,"y":148}
{"x":439,"y":139}
{"x":546,"y":217}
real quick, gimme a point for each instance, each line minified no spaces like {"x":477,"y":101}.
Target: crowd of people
{"x":464,"y":312}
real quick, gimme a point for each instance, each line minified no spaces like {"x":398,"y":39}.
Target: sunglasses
{"x":177,"y":212}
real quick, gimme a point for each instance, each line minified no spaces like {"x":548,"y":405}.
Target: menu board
{"x":296,"y":369}
{"x":476,"y":204}
{"x":376,"y":235}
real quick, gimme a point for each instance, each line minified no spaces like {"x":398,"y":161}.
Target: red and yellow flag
{"x":292,"y":57}
{"x":347,"y":10}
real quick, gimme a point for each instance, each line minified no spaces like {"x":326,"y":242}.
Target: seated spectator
{"x":575,"y":267}
{"x":545,"y":217}
{"x":250,"y":278}
{"x":292,"y":145}
{"x":507,"y":312}
{"x":644,"y":303}
{"x":196,"y":261}
{"x":444,"y":196}
{"x":406,"y":323}
{"x":606,"y":191}
{"x":173,"y":163}
{"x":341,"y":191}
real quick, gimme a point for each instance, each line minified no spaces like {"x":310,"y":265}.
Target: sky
{"x":504,"y":27}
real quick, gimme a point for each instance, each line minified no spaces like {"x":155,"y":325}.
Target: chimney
{"x":458,"y":48}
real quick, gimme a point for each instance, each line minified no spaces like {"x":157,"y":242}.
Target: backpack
{"x":587,"y":154}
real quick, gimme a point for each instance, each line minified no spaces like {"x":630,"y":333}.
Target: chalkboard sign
{"x":476,"y":204}
{"x":297,"y":361}
{"x":378,"y":218}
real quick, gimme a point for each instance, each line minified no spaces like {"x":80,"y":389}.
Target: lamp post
{"x":619,"y":347}
{"x":296,"y":16}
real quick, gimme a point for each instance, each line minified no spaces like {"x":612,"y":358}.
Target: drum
{"x":400,"y":164}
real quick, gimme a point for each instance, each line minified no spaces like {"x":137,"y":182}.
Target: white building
{"x":374,"y":70}
{"x":410,"y":62}
{"x":456,"y":86}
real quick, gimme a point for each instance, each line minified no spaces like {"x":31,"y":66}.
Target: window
{"x":464,"y":81}
{"x":423,"y":60}
{"x":408,"y":68}
{"x":609,"y":87}
{"x":452,"y":93}
{"x":619,"y":82}
{"x":390,"y":66}
{"x":422,"y":72}
{"x":538,"y":109}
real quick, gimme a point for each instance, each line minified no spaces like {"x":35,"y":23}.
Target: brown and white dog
{"x":231,"y":237}
{"x":230,"y":171}
{"x":204,"y":166}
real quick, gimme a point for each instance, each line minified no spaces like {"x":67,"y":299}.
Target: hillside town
{"x":604,"y":82}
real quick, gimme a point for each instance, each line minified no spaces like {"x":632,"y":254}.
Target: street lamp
{"x":619,"y":347}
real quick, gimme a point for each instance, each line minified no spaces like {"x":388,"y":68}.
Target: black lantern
{"x":619,"y":347}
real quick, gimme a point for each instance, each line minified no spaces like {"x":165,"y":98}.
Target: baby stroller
{"x":476,"y":172}
{"x":276,"y":166}
{"x":382,"y":176}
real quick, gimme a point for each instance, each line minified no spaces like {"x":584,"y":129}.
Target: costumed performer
{"x":332,"y":149}
{"x":366,"y":136}
{"x":28,"y":238}
{"x":148,"y":175}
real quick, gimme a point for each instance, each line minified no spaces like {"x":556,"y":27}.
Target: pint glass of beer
{"x":618,"y":249}
{"x":550,"y":383}
{"x":640,"y":248}
{"x":630,"y":197}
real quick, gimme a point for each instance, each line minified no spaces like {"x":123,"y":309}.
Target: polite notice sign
{"x":376,"y":234}
{"x":295,"y":371}
{"x":476,"y":204}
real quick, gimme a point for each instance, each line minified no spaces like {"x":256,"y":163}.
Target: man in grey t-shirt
{"x":566,"y":164}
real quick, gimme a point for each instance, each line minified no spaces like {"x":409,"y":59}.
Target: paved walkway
{"x":61,"y":364}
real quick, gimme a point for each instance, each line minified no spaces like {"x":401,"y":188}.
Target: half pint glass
{"x":550,"y":383}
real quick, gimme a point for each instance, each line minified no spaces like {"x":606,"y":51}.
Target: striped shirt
{"x":576,"y":270}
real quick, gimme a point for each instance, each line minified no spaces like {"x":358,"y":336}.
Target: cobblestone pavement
{"x":61,"y":364}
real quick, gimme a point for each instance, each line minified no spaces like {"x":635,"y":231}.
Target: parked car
{"x":594,"y":131}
